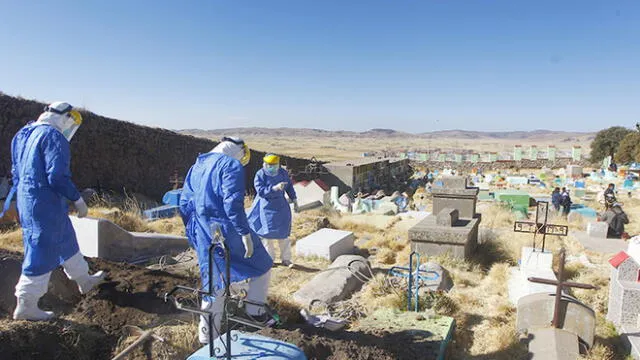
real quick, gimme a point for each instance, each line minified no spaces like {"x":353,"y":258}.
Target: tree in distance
{"x":629,"y":149}
{"x":607,"y":142}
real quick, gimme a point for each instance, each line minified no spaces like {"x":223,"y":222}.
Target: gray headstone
{"x":536,"y":310}
{"x":447,"y":217}
{"x":336,"y":283}
{"x":454,"y":182}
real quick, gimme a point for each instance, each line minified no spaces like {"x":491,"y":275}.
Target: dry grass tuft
{"x":497,"y":216}
{"x":129,"y":220}
{"x":381,"y":292}
{"x":599,"y":352}
{"x":308,"y":222}
{"x":498,"y":337}
{"x":288,"y":310}
{"x":179,"y":342}
{"x":11,"y":239}
{"x":596,"y":299}
{"x":172,"y":226}
{"x":386,"y":256}
{"x":445,"y":305}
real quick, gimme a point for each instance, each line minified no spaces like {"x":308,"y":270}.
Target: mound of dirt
{"x":319,"y":344}
{"x":88,"y":326}
{"x":60,"y":339}
{"x":131,"y":295}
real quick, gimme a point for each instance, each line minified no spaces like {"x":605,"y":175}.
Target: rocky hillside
{"x":109,"y":154}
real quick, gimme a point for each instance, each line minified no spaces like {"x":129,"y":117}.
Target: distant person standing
{"x":616,"y":218}
{"x":556,"y":199}
{"x":270,"y":214}
{"x":565,"y":202}
{"x":610,"y":195}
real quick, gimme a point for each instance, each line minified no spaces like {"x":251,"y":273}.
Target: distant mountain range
{"x":374,"y":133}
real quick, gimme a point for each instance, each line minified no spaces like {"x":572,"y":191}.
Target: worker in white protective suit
{"x":42,"y":184}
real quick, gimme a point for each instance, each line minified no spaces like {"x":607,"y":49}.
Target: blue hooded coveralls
{"x":270,"y":214}
{"x":213,"y":196}
{"x":41,"y":171}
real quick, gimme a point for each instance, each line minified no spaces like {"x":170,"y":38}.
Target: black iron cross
{"x":560,"y":284}
{"x":540,"y":226}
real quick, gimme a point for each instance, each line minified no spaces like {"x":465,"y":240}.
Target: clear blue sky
{"x":340,"y":64}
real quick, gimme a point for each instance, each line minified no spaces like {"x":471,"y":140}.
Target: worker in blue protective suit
{"x":42,"y":182}
{"x":213,"y":199}
{"x":270,"y":214}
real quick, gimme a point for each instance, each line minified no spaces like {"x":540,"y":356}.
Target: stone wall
{"x":109,"y":154}
{"x":502,"y":164}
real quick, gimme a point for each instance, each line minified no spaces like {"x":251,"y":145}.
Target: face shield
{"x":72,"y":120}
{"x":244,"y":156}
{"x":271,"y":164}
{"x":69,"y":120}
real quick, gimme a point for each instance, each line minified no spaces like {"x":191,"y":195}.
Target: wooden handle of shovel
{"x":145,"y":335}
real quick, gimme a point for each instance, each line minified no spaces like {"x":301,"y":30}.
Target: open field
{"x":340,"y":147}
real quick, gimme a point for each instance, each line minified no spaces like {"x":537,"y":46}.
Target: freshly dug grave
{"x":91,"y":326}
{"x":88,"y":326}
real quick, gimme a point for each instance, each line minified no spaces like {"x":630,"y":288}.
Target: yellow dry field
{"x":345,"y":148}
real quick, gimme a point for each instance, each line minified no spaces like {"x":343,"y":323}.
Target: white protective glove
{"x":81,"y":207}
{"x":248,"y":246}
{"x":295,"y":206}
{"x":279,"y":186}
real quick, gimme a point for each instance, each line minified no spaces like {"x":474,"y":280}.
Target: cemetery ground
{"x":93,"y":327}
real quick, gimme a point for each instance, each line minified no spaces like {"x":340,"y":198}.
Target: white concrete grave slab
{"x":326,"y":243}
{"x":104,"y":239}
{"x":533,"y":263}
{"x":597,"y":229}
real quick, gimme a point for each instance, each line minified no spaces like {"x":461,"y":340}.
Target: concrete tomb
{"x":553,"y":344}
{"x":311,"y":194}
{"x":574,"y":171}
{"x":104,"y":239}
{"x":453,"y":226}
{"x":623,"y":309}
{"x":533,"y":263}
{"x":432,"y":333}
{"x":326,"y":243}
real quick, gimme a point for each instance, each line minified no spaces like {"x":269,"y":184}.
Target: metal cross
{"x":560,"y":284}
{"x":540,"y":226}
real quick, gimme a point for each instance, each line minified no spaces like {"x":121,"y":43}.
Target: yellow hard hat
{"x":271,"y":159}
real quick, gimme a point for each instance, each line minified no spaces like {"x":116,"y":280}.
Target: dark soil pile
{"x":59,"y":339}
{"x":90,"y":325}
{"x":319,"y":344}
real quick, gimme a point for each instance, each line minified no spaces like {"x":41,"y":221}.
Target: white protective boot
{"x":215,"y":309}
{"x":88,"y":282}
{"x":77,"y":269}
{"x":28,"y":291}
{"x":27,"y":309}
